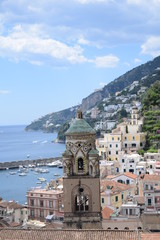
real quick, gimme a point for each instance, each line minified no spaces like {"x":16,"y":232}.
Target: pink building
{"x":42,"y":203}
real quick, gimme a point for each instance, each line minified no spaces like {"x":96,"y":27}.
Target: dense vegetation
{"x":151,"y":111}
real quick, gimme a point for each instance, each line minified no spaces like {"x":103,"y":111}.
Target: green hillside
{"x":151,"y":112}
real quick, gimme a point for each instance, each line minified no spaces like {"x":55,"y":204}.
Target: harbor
{"x":36,"y":162}
{"x":16,"y":182}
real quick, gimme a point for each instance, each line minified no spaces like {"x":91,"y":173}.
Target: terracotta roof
{"x":107,"y":212}
{"x":113,"y":186}
{"x":11,"y":205}
{"x":150,"y":236}
{"x":150,"y":177}
{"x":130,"y":175}
{"x":139,"y":199}
{"x":18,"y":234}
{"x":127,"y":174}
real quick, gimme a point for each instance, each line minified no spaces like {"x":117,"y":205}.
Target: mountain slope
{"x":120,"y":83}
{"x":145,"y":75}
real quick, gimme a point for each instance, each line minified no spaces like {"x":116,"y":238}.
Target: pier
{"x":37,"y":162}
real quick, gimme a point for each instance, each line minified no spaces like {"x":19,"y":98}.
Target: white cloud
{"x":109,"y":61}
{"x":102,"y":84}
{"x":4,"y":92}
{"x":151,"y":46}
{"x":83,"y":41}
{"x":24,"y":44}
{"x":94,"y":1}
{"x":137,"y":60}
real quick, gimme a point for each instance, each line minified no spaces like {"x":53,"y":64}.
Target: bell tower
{"x":81,"y":182}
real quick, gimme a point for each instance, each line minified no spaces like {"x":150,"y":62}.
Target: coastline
{"x":37,"y":162}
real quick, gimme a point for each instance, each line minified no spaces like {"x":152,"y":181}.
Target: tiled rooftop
{"x":107,"y":212}
{"x":45,"y":191}
{"x":51,"y":234}
{"x":148,"y":177}
{"x":17,"y":234}
{"x":10,"y":205}
{"x":114,"y":186}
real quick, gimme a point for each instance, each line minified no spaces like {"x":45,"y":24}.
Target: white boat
{"x":39,"y":182}
{"x":56,"y":174}
{"x":60,"y":165}
{"x":52,"y":164}
{"x":42,"y":179}
{"x":12,"y":173}
{"x":22,"y":174}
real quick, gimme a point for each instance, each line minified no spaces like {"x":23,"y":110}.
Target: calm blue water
{"x":16,"y":144}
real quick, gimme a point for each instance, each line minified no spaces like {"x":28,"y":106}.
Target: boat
{"x":52,"y":164}
{"x":56,"y":174}
{"x":12,"y":173}
{"x":42,"y":179}
{"x":39,"y":182}
{"x":60,"y":165}
{"x":22,"y":174}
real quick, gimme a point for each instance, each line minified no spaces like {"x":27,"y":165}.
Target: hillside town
{"x":129,"y":183}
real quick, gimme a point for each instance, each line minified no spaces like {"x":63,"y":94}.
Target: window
{"x":109,"y":152}
{"x":133,"y":138}
{"x":51,"y":204}
{"x":124,"y":170}
{"x":141,"y":144}
{"x":21,"y":212}
{"x":117,"y":152}
{"x":149,"y":201}
{"x":32,"y":202}
{"x":116,"y":145}
{"x":81,"y":202}
{"x":112,"y":138}
{"x":125,"y":145}
{"x":41,"y":214}
{"x":146,"y":187}
{"x":118,"y":138}
{"x":133,"y":145}
{"x":116,"y":198}
{"x":130,"y":212}
{"x":80,"y":164}
{"x":122,"y":160}
{"x":102,"y":200}
{"x":110,"y":145}
{"x":125,"y":138}
{"x":41,"y":203}
{"x":127,"y":182}
{"x":122,"y":196}
{"x":32,"y":213}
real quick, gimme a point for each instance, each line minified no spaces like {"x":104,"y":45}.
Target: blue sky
{"x":54,"y":53}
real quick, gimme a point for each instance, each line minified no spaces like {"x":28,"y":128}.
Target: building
{"x":81,"y":178}
{"x":94,"y":112}
{"x":126,"y":138}
{"x":42,"y":203}
{"x":114,"y":193}
{"x":129,"y":162}
{"x":12,"y":212}
{"x":126,"y":178}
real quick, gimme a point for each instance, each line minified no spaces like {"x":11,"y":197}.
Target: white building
{"x":128,"y":163}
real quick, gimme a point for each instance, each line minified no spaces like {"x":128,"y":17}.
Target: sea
{"x":17,"y":144}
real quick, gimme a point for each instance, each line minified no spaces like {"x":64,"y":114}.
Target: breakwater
{"x":37,"y":162}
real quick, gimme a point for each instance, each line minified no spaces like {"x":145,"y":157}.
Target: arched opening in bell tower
{"x":80,"y":164}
